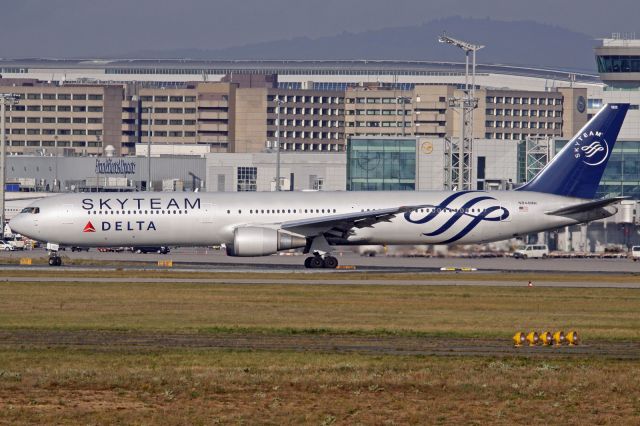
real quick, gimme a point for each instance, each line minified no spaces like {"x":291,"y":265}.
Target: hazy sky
{"x":91,"y":28}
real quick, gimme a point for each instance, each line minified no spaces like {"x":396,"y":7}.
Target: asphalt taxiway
{"x":209,"y":259}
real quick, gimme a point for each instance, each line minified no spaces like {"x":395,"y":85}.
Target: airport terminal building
{"x":341,"y":125}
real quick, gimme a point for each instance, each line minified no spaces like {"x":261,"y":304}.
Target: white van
{"x":533,"y":251}
{"x":635,"y":253}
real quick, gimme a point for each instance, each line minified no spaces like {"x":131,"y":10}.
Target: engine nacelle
{"x":255,"y":241}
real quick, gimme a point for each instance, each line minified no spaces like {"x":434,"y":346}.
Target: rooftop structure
{"x":322,"y":72}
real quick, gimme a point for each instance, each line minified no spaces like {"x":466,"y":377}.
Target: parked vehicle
{"x":5,"y":246}
{"x":16,"y":243}
{"x":635,"y":253}
{"x":532,"y":251}
{"x":159,"y":249}
{"x":79,"y":249}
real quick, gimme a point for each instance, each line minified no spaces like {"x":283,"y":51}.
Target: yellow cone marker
{"x":559,"y":338}
{"x":533,"y":338}
{"x":519,"y":339}
{"x":546,"y":338}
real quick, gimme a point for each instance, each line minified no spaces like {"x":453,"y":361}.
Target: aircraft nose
{"x":20,"y":225}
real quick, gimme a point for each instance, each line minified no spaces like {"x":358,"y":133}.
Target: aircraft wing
{"x":340,"y":225}
{"x":585,"y":207}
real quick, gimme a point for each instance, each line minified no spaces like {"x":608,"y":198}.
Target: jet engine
{"x":255,"y":241}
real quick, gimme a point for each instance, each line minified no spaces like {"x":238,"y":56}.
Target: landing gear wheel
{"x":307,"y":262}
{"x":315,"y":262}
{"x":55,"y":261}
{"x":330,"y":262}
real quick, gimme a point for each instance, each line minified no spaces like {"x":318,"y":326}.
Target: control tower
{"x":618,"y":60}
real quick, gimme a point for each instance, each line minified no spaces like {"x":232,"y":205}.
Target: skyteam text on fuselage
{"x":258,"y":224}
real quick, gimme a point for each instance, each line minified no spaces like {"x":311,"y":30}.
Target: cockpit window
{"x":32,"y":210}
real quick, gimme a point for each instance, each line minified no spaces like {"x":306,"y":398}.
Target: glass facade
{"x":381,"y":164}
{"x":622,"y":175}
{"x":608,"y":64}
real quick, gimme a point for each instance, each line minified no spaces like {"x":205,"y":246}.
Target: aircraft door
{"x":507,"y":212}
{"x":67,"y":214}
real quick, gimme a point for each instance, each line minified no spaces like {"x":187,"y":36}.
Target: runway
{"x":208,"y":259}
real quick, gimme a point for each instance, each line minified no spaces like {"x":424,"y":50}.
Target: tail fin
{"x":577,"y":169}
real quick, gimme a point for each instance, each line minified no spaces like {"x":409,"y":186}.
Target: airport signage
{"x":115,"y":167}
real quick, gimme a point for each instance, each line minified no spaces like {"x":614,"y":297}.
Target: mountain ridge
{"x":518,"y":43}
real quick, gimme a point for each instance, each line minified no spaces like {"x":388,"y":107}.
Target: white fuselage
{"x":197,"y":219}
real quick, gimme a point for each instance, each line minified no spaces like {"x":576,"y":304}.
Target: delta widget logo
{"x":89,"y":227}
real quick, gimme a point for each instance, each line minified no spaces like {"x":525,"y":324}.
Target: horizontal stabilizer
{"x":585,"y":207}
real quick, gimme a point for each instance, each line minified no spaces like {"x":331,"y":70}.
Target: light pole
{"x":467,"y":104}
{"x":278,"y":103}
{"x":56,"y":184}
{"x":5,"y":99}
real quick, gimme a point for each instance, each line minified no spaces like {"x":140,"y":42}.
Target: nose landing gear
{"x":55,"y":260}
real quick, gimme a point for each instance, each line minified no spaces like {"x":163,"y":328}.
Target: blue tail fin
{"x":577,"y":169}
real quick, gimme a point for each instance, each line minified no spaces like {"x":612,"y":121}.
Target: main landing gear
{"x":317,"y":261}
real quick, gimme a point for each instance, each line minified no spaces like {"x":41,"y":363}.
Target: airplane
{"x":261,"y":224}
{"x":15,"y":202}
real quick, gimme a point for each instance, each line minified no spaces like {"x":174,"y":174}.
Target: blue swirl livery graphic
{"x":461,"y":215}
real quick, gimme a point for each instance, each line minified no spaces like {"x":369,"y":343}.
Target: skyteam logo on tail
{"x":591,"y":148}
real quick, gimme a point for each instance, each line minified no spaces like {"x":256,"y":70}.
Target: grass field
{"x":455,"y":311}
{"x":211,"y":387}
{"x":110,"y":384}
